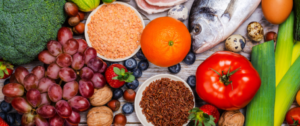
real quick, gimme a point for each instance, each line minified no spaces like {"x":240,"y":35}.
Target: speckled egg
{"x":179,"y":12}
{"x":235,"y":43}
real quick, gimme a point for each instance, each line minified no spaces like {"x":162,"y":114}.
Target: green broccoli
{"x":26,"y":26}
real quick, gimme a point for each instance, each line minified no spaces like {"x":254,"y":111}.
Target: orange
{"x":298,"y":97}
{"x":165,"y":41}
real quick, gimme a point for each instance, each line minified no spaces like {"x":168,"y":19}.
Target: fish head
{"x":204,"y":33}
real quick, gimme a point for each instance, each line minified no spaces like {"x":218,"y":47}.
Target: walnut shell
{"x":100,"y":116}
{"x":231,"y":118}
{"x":255,"y":31}
{"x":101,"y":96}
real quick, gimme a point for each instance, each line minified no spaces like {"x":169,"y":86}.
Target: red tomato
{"x":292,"y":116}
{"x":227,"y":92}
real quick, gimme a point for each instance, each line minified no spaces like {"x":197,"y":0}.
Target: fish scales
{"x":212,"y":21}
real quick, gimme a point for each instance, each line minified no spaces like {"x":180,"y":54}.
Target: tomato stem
{"x":224,"y":78}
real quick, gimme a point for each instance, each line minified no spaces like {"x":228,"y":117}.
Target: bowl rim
{"x":87,"y":36}
{"x":139,"y":95}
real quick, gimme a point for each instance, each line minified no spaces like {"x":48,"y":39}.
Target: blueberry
{"x":137,"y":72}
{"x":132,"y":85}
{"x":127,"y":108}
{"x":130,"y":64}
{"x":18,"y":118}
{"x":5,"y":107}
{"x":143,"y":65}
{"x":3,"y":116}
{"x":140,"y":55}
{"x":118,"y":93}
{"x":6,"y":81}
{"x":190,"y":58}
{"x":10,"y":118}
{"x":175,"y":69}
{"x":191,"y":80}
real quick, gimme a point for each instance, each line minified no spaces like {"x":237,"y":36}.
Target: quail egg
{"x":235,"y":43}
{"x":255,"y":31}
{"x":179,"y":12}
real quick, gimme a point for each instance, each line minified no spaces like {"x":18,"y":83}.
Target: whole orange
{"x":165,"y":41}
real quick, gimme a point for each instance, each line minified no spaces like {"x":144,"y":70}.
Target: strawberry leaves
{"x":4,"y":66}
{"x":199,"y":118}
{"x":122,"y":75}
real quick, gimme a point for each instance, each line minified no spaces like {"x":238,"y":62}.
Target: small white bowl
{"x":87,"y":36}
{"x":139,"y":95}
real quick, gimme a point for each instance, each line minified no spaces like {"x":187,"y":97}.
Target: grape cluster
{"x":51,"y":95}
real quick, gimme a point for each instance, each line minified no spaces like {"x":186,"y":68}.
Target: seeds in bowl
{"x":166,"y":102}
{"x":115,"y":31}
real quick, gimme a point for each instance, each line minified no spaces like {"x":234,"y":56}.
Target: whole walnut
{"x":101,"y":96}
{"x":100,"y":116}
{"x":231,"y":118}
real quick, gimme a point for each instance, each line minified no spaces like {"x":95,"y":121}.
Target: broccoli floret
{"x":26,"y":26}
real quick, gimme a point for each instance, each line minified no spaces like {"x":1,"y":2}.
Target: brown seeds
{"x":167,"y":102}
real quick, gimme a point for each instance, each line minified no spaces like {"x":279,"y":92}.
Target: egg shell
{"x":179,"y":12}
{"x":255,"y":31}
{"x":235,"y":43}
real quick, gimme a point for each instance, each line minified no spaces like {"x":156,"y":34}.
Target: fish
{"x":212,"y":21}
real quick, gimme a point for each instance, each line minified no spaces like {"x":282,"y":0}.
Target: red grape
{"x":64,"y":34}
{"x":44,"y":84}
{"x":13,"y":90}
{"x":55,"y":92}
{"x":98,"y":80}
{"x":86,"y":73}
{"x":45,"y":100}
{"x":74,"y":118}
{"x":40,"y":121}
{"x":86,"y":88}
{"x":39,"y":72}
{"x":46,"y":57}
{"x":8,"y":99}
{"x":21,"y":105}
{"x":20,"y":74}
{"x":103,"y":68}
{"x":79,"y":103}
{"x":71,"y":46}
{"x":31,"y":81}
{"x":52,"y":71}
{"x":82,"y":45}
{"x":67,"y":74}
{"x":78,"y":61}
{"x":64,"y":60}
{"x":27,"y":119}
{"x":56,"y":121}
{"x":46,"y":111}
{"x":54,"y":47}
{"x":89,"y":53}
{"x":33,"y":96}
{"x":63,"y":109}
{"x":95,"y":64}
{"x":13,"y":78}
{"x":70,"y":90}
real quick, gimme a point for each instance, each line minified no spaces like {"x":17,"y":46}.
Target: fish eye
{"x":197,"y":29}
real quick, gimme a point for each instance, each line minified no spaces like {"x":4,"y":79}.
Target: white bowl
{"x":139,"y":95}
{"x":87,"y":36}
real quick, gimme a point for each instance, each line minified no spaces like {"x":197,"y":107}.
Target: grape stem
{"x":60,"y":82}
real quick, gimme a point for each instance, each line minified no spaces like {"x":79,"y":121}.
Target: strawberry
{"x":2,"y":122}
{"x":6,"y":69}
{"x":206,"y":115}
{"x":116,"y":75}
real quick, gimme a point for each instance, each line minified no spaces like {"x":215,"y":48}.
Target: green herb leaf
{"x":1,"y":74}
{"x":123,"y":71}
{"x":117,"y":70}
{"x":115,"y":78}
{"x":130,"y":78}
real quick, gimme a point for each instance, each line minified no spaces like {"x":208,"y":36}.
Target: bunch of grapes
{"x":56,"y":94}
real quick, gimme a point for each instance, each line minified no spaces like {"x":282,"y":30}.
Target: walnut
{"x":231,"y":118}
{"x":100,"y":116}
{"x":101,"y":96}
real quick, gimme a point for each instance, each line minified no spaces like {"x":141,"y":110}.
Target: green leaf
{"x":117,"y":70}
{"x":120,"y":77}
{"x":1,"y":74}
{"x":6,"y":72}
{"x":123,"y":71}
{"x":206,"y":117}
{"x":126,"y":76}
{"x":194,"y":110}
{"x":130,"y":78}
{"x":199,"y":124}
{"x":115,"y":78}
{"x":192,"y":116}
